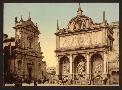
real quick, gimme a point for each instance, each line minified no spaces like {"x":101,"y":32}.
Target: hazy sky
{"x":46,"y":15}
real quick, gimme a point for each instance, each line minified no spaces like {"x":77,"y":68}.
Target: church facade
{"x":25,"y":55}
{"x":84,"y":51}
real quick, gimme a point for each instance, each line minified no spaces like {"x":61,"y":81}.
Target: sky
{"x":46,"y":15}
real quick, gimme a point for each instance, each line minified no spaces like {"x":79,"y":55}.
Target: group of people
{"x":18,"y":82}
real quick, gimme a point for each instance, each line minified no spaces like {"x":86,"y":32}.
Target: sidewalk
{"x":9,"y":84}
{"x":32,"y":84}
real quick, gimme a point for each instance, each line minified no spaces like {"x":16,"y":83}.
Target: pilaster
{"x":105,"y":62}
{"x":71,"y":66}
{"x":57,"y":68}
{"x":105,"y":72}
{"x":57,"y":42}
{"x":88,"y":69}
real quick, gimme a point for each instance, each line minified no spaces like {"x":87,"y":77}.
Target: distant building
{"x":22,"y":54}
{"x":51,"y":74}
{"x":8,"y":46}
{"x":51,"y":70}
{"x":88,"y":52}
{"x":43,"y":69}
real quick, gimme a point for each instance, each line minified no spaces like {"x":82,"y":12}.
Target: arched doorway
{"x":30,"y":73}
{"x":79,"y":67}
{"x":64,"y":67}
{"x":96,"y":69}
{"x":29,"y":66}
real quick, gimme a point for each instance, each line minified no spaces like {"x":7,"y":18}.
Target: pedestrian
{"x":35,"y":83}
{"x":18,"y":82}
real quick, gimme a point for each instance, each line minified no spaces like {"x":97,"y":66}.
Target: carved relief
{"x":98,"y":68}
{"x":72,"y":26}
{"x":83,"y":25}
{"x":98,"y":80}
{"x":76,"y":41}
{"x":80,"y":23}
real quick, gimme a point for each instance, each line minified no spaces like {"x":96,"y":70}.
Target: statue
{"x":66,"y":68}
{"x":81,"y":67}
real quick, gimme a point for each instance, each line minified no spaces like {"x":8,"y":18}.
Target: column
{"x":88,"y":67}
{"x":37,"y":70}
{"x":57,"y":42}
{"x":71,"y":68}
{"x":24,"y":66}
{"x":105,"y":66}
{"x":70,"y":58}
{"x":22,"y":69}
{"x":105,"y":62}
{"x":25,"y":62}
{"x":88,"y":63}
{"x":57,"y":67}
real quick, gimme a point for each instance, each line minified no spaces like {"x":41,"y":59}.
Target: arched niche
{"x":64,"y":67}
{"x":79,"y":65}
{"x":97,"y":68}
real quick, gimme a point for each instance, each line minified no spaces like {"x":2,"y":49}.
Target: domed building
{"x":83,"y":50}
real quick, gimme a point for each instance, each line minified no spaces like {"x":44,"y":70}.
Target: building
{"x":22,"y":54}
{"x":8,"y":46}
{"x":51,"y":70}
{"x":84,"y":51}
{"x":51,"y":74}
{"x":43,"y":69}
{"x":113,"y":67}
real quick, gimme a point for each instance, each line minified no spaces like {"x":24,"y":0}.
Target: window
{"x":30,"y":44}
{"x":111,"y":45}
{"x":117,"y":34}
{"x":19,"y":65}
{"x":42,"y":73}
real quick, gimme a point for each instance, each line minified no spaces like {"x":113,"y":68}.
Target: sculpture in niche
{"x":77,"y":26}
{"x":30,"y":39}
{"x":72,"y":26}
{"x":18,"y":37}
{"x":83,"y":25}
{"x":98,"y":68}
{"x":81,"y":67}
{"x":66,"y":67}
{"x":18,"y":43}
